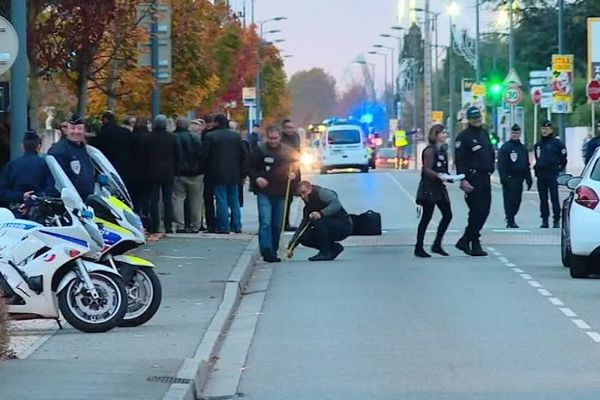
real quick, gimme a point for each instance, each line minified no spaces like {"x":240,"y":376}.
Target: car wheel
{"x":565,"y":247}
{"x":579,"y":266}
{"x":364,"y":169}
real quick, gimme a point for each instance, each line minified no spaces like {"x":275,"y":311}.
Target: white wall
{"x":574,"y":140}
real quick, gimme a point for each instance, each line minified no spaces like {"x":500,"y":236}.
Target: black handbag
{"x":366,"y":224}
{"x":424,"y":194}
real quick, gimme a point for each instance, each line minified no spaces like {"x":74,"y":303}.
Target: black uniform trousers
{"x":546,"y":184}
{"x":479,"y":202}
{"x":512,"y":191}
{"x":323,"y":233}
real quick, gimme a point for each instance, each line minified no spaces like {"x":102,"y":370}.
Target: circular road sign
{"x":593,"y":90}
{"x":9,"y":45}
{"x":536,"y":96}
{"x":513,"y":95}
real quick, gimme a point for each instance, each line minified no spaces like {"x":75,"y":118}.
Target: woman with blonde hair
{"x":432,"y":190}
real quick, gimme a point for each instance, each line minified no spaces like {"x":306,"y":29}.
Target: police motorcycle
{"x":122,"y":231}
{"x":42,"y":270}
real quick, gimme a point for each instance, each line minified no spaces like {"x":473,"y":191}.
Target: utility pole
{"x":154,"y":60}
{"x":18,"y":79}
{"x":427,"y":73}
{"x":477,"y":62}
{"x":561,"y":50}
{"x":451,"y":88}
{"x":436,"y":81}
{"x":415,"y":109}
{"x":511,"y":41}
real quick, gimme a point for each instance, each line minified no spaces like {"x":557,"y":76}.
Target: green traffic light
{"x":496,"y":88}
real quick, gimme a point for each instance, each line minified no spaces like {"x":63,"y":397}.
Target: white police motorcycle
{"x":42,"y":271}
{"x":122,"y":231}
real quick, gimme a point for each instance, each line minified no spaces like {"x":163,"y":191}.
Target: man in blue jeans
{"x":272,"y":164}
{"x":225,"y":157}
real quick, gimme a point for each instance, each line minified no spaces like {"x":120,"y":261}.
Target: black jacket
{"x":190,"y":149}
{"x":225,"y":157}
{"x":591,"y":148}
{"x":274,"y":165}
{"x":432,"y":188}
{"x":474,"y":152}
{"x":118,"y":145}
{"x":550,"y":156}
{"x":513,"y":162}
{"x":160,"y":156}
{"x":28,"y":173}
{"x":77,"y":164}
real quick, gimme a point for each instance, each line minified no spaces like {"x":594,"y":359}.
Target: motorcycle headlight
{"x":134,"y":220}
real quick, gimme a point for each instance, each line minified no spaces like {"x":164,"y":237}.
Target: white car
{"x":580,"y":235}
{"x":344,"y":146}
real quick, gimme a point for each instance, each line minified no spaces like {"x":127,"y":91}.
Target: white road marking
{"x":510,"y":265}
{"x":527,"y":277}
{"x":544,"y":292}
{"x":491,"y":249}
{"x":511,"y":231}
{"x":518,"y":270}
{"x":535,"y":284}
{"x":568,"y":312}
{"x":556,"y":301}
{"x":595,"y":336}
{"x":497,"y":254}
{"x":503,"y":260}
{"x":581,"y":324}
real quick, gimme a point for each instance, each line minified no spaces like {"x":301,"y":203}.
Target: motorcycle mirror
{"x":103,"y":180}
{"x":70,"y":198}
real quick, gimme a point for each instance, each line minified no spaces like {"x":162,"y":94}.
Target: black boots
{"x":321,"y":256}
{"x":544,"y":224}
{"x":470,"y":248}
{"x":477,"y":251}
{"x":510,"y":223}
{"x":420,"y":252}
{"x":269,"y":256}
{"x":464,"y":245}
{"x":437,"y":248}
{"x":556,"y":224}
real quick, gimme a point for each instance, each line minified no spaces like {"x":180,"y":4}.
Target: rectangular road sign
{"x":539,"y":82}
{"x":437,"y":116}
{"x":144,"y":15}
{"x":164,"y":59}
{"x":540,"y":74}
{"x":249,"y":96}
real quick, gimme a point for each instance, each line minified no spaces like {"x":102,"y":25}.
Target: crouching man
{"x":329,"y":222}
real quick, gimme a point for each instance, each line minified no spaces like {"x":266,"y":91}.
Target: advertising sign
{"x":437,"y":117}
{"x":467,"y":92}
{"x":562,"y":83}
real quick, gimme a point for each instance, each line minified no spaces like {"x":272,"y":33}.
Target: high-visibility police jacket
{"x":400,"y":138}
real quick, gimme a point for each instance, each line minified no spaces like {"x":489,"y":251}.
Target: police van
{"x":344,"y":146}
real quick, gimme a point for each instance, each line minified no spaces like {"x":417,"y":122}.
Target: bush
{"x":5,"y":351}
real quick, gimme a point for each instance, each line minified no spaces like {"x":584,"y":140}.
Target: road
{"x":381,"y":324}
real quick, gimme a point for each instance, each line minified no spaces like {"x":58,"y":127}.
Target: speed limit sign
{"x":513,"y":95}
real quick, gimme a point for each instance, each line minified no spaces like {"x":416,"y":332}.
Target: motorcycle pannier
{"x":366,"y":224}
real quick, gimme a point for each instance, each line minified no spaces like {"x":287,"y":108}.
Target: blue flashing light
{"x":367,"y":119}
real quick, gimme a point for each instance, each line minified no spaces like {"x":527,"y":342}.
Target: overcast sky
{"x":330,"y":33}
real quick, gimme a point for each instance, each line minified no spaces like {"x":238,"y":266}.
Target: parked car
{"x":386,"y":158}
{"x":580,"y":234}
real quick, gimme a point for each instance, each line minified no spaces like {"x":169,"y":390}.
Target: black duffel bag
{"x":366,"y":224}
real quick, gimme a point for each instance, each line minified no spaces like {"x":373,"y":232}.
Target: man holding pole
{"x":272,"y":168}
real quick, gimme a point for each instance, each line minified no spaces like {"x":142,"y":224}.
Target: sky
{"x":330,"y":34}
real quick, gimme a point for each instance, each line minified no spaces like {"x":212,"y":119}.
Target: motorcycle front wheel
{"x":144,"y":295}
{"x":91,"y":315}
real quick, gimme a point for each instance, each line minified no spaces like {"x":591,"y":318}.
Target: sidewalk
{"x":131,"y":363}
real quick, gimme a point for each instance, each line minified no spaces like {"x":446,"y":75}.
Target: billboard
{"x":562,"y":83}
{"x":593,"y":49}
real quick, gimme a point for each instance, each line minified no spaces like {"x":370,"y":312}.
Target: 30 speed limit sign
{"x":513,"y":95}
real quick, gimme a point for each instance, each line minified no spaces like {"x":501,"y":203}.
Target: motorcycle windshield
{"x":116,"y":185}
{"x":61,"y":180}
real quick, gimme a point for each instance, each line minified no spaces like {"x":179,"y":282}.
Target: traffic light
{"x":495,"y":90}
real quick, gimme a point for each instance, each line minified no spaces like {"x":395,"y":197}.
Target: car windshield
{"x":387,"y":152}
{"x":595,"y":174}
{"x":348,"y":136}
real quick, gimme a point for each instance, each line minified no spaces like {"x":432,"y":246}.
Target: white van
{"x":344,"y":146}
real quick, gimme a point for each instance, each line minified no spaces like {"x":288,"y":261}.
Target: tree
{"x":413,"y":46}
{"x":313,"y":96}
{"x":350,"y":99}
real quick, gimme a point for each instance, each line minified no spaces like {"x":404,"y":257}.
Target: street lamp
{"x":385,"y":69}
{"x":259,"y":61}
{"x":453,"y":11}
{"x":435,"y":50}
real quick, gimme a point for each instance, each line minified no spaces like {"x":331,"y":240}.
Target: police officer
{"x":513,"y":166}
{"x":550,"y":159}
{"x":475,"y":158}
{"x":72,"y":156}
{"x":591,"y":145}
{"x":329,"y":222}
{"x":400,"y":143}
{"x":27,"y":175}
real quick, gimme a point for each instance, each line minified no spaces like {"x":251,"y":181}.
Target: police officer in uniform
{"x":400,"y":143}
{"x":27,"y":175}
{"x":550,"y":160}
{"x":475,"y":158}
{"x":72,"y":156}
{"x":513,"y":166}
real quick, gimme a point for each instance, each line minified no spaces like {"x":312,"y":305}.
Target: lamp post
{"x":436,"y":80}
{"x":385,"y":69}
{"x":561,"y":50}
{"x":453,"y":10}
{"x":393,"y":56}
{"x":396,"y":106}
{"x":259,"y":66}
{"x":362,"y":62}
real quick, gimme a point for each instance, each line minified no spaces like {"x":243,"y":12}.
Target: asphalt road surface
{"x":381,"y":324}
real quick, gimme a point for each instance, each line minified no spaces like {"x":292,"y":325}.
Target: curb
{"x":192,"y":375}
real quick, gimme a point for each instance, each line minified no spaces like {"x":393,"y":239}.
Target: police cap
{"x":547,"y":124}
{"x":515,"y":128}
{"x":76,"y":120}
{"x":473,"y":113}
